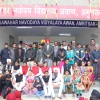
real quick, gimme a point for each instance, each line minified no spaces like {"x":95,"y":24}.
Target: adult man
{"x":30,"y":56}
{"x":95,"y":56}
{"x":57,"y":82}
{"x":73,"y":45}
{"x":56,"y":47}
{"x":19,"y":53}
{"x":35,"y":48}
{"x":12,"y":53}
{"x":64,"y":45}
{"x":5,"y":54}
{"x":79,"y":54}
{"x":91,"y":47}
{"x":25,"y":48}
{"x":48,"y":52}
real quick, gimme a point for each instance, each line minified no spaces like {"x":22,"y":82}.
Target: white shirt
{"x":65,"y":47}
{"x":47,"y":47}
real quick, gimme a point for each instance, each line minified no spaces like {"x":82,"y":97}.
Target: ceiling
{"x":40,"y":31}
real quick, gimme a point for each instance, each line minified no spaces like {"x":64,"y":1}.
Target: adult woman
{"x":83,"y":67}
{"x":45,"y":68}
{"x":28,"y":88}
{"x":77,"y":84}
{"x":75,"y":67}
{"x":67,"y":86}
{"x":70,"y":55}
{"x":25,"y":69}
{"x":39,"y":55}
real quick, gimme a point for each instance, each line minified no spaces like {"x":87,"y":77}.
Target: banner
{"x":57,"y":12}
{"x":48,"y":22}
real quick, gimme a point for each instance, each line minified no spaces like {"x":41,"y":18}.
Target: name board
{"x":47,"y":22}
{"x":48,"y":12}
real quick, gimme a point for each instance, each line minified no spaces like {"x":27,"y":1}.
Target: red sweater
{"x":44,"y":69}
{"x":24,"y":70}
{"x":35,"y":70}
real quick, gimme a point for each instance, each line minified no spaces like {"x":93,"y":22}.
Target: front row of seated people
{"x":44,"y":80}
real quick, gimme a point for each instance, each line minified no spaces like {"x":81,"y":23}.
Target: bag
{"x":80,"y":87}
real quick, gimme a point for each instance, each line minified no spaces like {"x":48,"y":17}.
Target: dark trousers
{"x":96,"y":93}
{"x":95,"y":70}
{"x":56,"y":59}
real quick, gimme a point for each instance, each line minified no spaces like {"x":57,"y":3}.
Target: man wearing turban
{"x":48,"y":52}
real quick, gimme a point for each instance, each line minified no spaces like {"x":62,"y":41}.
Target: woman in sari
{"x":83,"y":67}
{"x":67,"y":86}
{"x":77,"y":84}
{"x":75,"y":67}
{"x":28,"y":88}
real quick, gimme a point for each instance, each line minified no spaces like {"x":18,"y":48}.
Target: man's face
{"x":29,"y":47}
{"x":64,"y":43}
{"x":46,"y":74}
{"x":96,"y":47}
{"x":14,"y":45}
{"x":55,"y":43}
{"x":92,"y":42}
{"x":19,"y":46}
{"x":8,"y":63}
{"x":6,"y":46}
{"x":34,"y":45}
{"x":48,"y":42}
{"x":73,"y":43}
{"x":25,"y":46}
{"x":79,"y":46}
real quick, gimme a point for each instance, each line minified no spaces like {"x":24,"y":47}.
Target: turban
{"x":29,"y":45}
{"x":17,"y":94}
{"x":47,"y":40}
{"x":9,"y":60}
{"x":37,"y":78}
{"x":81,"y":98}
{"x":56,"y":69}
{"x":11,"y":96}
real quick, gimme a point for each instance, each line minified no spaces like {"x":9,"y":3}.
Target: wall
{"x":85,"y":37}
{"x":31,"y":39}
{"x":4,"y":36}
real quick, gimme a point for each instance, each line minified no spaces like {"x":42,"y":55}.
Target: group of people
{"x":40,"y":71}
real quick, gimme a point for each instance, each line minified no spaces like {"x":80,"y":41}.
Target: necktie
{"x":19,"y":52}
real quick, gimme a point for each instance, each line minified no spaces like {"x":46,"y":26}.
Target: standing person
{"x":95,"y":56}
{"x":61,"y":54}
{"x":91,"y":47}
{"x":35,"y":48}
{"x":64,"y":45}
{"x":5,"y":54}
{"x":47,"y":82}
{"x":25,"y":49}
{"x":19,"y":53}
{"x":84,"y":47}
{"x":57,"y":82}
{"x":48,"y":52}
{"x":30,"y":56}
{"x":39,"y":55}
{"x":73,"y":46}
{"x":56,"y":47}
{"x":79,"y":54}
{"x":86,"y":58}
{"x":12,"y":53}
{"x":70,"y":55}
{"x":39,"y":85}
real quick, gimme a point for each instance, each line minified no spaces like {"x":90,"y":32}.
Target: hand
{"x":19,"y":60}
{"x":46,"y":84}
{"x":61,"y":59}
{"x":48,"y":56}
{"x":13,"y":82}
{"x":70,"y":59}
{"x":96,"y":60}
{"x":29,"y":58}
{"x":86,"y":58}
{"x":18,"y":85}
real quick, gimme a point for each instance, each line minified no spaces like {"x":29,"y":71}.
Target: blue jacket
{"x":4,"y":55}
{"x":95,"y":55}
{"x":77,"y":54}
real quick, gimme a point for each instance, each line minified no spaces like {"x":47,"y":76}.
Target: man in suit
{"x":48,"y":52}
{"x":19,"y":53}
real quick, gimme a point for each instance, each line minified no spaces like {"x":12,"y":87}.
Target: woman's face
{"x":35,"y":64}
{"x":83,"y":64}
{"x":37,"y":81}
{"x":61,"y":46}
{"x":75,"y":64}
{"x":78,"y":72}
{"x":89,"y":63}
{"x":67,"y":73}
{"x":7,"y":72}
{"x":54,"y":64}
{"x":69,"y":48}
{"x":45,"y":64}
{"x":30,"y":73}
{"x":24,"y":64}
{"x":16,"y":64}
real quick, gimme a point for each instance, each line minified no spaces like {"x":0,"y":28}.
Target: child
{"x":47,"y":82}
{"x":83,"y":68}
{"x":67,"y":86}
{"x":86,"y":58}
{"x":39,"y":85}
{"x":67,"y":66}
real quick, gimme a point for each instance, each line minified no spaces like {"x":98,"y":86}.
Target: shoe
{"x":49,"y":96}
{"x":60,"y":97}
{"x":45,"y":97}
{"x":78,"y":96}
{"x":53,"y":98}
